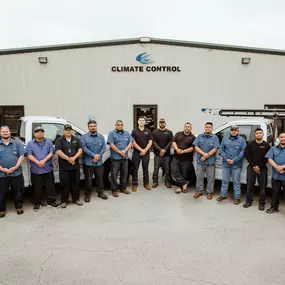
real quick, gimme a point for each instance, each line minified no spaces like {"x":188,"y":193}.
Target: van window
{"x":53,"y":131}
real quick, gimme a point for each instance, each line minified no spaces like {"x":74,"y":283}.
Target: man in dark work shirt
{"x":255,"y":154}
{"x":142,"y":144}
{"x":183,"y":157}
{"x":162,"y":140}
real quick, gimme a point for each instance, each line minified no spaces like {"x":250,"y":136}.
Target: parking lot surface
{"x":147,"y":237}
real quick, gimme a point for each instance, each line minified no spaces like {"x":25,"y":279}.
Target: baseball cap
{"x":39,"y":129}
{"x":67,"y":127}
{"x":234,"y":127}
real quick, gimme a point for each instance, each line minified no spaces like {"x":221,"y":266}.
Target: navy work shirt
{"x":121,"y":140}
{"x":277,"y":154}
{"x":40,"y":150}
{"x":9,"y":155}
{"x":93,"y":144}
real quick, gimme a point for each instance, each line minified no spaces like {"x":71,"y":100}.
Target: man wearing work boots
{"x":183,"y":157}
{"x":206,"y":146}
{"x":11,"y":157}
{"x":232,"y":151}
{"x":94,"y":146}
{"x":40,"y":152}
{"x":162,"y":140}
{"x":255,"y":154}
{"x":276,"y":158}
{"x":142,"y":144}
{"x":69,"y":149}
{"x":120,"y":142}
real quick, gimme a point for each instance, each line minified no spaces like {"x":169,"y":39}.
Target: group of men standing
{"x":92,"y":145}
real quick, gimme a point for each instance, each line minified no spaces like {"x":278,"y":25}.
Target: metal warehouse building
{"x":123,"y":79}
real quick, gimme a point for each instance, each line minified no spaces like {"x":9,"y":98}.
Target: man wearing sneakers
{"x":142,"y":144}
{"x":276,"y":158}
{"x":162,"y":140}
{"x":183,"y":156}
{"x":40,"y":152}
{"x":255,"y":154}
{"x":94,"y":146}
{"x":232,"y":151}
{"x":206,"y":146}
{"x":69,"y":149}
{"x":11,"y":157}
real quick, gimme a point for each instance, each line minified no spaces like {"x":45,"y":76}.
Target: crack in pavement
{"x":41,"y":267}
{"x":91,"y":250}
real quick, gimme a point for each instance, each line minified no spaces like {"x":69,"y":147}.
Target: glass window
{"x":247,"y":132}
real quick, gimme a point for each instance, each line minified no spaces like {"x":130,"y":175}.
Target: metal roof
{"x":140,"y":41}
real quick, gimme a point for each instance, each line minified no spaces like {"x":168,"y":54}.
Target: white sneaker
{"x":178,"y":190}
{"x":184,"y":187}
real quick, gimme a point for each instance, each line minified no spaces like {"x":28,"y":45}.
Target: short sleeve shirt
{"x":277,"y":154}
{"x":141,"y":137}
{"x":183,"y":142}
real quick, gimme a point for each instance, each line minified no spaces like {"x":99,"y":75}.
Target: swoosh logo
{"x":144,"y":58}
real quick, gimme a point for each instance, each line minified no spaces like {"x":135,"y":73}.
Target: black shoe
{"x":102,"y":196}
{"x":37,"y":207}
{"x":63,"y":205}
{"x":168,"y":185}
{"x":272,"y":210}
{"x":2,"y":214}
{"x":261,"y":207}
{"x":53,"y":204}
{"x":154,"y":185}
{"x":246,"y":205}
{"x":87,"y":198}
{"x":20,"y":211}
{"x":77,"y":202}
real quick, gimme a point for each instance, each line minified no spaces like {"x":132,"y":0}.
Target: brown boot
{"x":197,"y":194}
{"x":115,"y":194}
{"x":125,"y":191}
{"x":154,"y":185}
{"x":221,"y":198}
{"x":209,"y":196}
{"x":147,"y":187}
{"x":134,"y":188}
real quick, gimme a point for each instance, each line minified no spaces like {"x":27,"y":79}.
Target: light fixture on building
{"x":43,"y":60}
{"x":245,"y":60}
{"x":145,"y":39}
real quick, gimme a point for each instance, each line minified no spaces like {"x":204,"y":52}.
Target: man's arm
{"x":248,"y":155}
{"x":148,"y":145}
{"x":170,"y":137}
{"x":222,"y":151}
{"x":103,"y":148}
{"x":62,"y":155}
{"x":86,"y":150}
{"x":155,"y":144}
{"x":188,"y":150}
{"x":241,"y":152}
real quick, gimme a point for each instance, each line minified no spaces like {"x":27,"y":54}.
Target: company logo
{"x":144,"y":58}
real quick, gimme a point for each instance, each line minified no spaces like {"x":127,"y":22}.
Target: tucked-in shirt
{"x":121,"y":140}
{"x":255,"y":153}
{"x":183,"y":142}
{"x":277,"y":154}
{"x":40,"y":150}
{"x":141,"y":138}
{"x":9,"y":155}
{"x":207,"y":143}
{"x":233,"y":148}
{"x":70,"y":149}
{"x":162,"y":139}
{"x":92,"y":145}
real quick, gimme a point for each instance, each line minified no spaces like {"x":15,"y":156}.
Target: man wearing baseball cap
{"x":232,"y":151}
{"x":40,"y":152}
{"x":69,"y":149}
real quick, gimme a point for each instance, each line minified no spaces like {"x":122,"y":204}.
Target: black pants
{"x":158,"y":162}
{"x":97,"y":171}
{"x":69,"y":180}
{"x":251,"y":177}
{"x":276,"y":189}
{"x":136,"y":159}
{"x":43,"y":181}
{"x":119,"y":166}
{"x":17,"y":185}
{"x":180,"y":171}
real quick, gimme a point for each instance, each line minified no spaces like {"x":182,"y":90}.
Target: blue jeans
{"x":227,"y":173}
{"x":210,"y":175}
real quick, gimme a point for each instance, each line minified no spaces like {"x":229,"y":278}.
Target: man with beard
{"x":142,"y":144}
{"x":255,"y":154}
{"x":11,"y":156}
{"x":276,"y":158}
{"x":232,"y":151}
{"x":120,"y":142}
{"x":162,"y":140}
{"x":94,"y":146}
{"x":181,"y":164}
{"x":206,"y":146}
{"x":69,"y":149}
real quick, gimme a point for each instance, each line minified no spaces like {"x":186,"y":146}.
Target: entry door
{"x":149,"y":112}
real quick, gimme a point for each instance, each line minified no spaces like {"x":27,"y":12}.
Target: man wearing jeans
{"x":206,"y":146}
{"x":232,"y":151}
{"x":11,"y":157}
{"x":162,"y":140}
{"x":183,"y":156}
{"x":94,"y":146}
{"x":276,"y":158}
{"x":255,"y":154}
{"x":120,"y":142}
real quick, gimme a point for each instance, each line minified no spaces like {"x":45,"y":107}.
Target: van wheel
{"x":107,"y":168}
